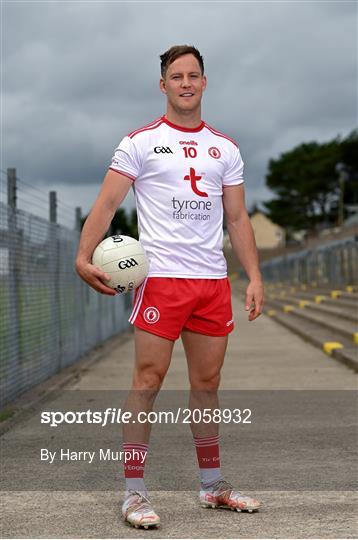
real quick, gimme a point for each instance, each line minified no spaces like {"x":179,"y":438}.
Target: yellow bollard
{"x":287,"y":308}
{"x":335,"y":294}
{"x":329,"y":346}
{"x":319,"y":298}
{"x":303,"y":303}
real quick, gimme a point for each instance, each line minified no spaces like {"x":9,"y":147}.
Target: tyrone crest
{"x":214,"y":152}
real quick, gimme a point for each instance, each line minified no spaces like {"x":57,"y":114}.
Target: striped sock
{"x":134,"y":462}
{"x":207,"y":451}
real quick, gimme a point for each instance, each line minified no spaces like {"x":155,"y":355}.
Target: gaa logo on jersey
{"x":151,"y":315}
{"x":214,"y":152}
{"x":162,"y":150}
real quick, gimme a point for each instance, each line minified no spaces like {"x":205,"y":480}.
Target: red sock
{"x":207,"y":451}
{"x":134,"y":462}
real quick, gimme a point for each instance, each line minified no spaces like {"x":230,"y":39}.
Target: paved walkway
{"x":262,"y":356}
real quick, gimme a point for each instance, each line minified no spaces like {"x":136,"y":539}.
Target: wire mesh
{"x":49,"y":316}
{"x":333,"y":264}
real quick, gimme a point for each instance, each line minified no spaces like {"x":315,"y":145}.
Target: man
{"x":185,"y":173}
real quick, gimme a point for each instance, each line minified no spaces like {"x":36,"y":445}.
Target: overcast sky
{"x":78,"y":76}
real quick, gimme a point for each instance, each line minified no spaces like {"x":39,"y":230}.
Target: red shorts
{"x":165,"y":306}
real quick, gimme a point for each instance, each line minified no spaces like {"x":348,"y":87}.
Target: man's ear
{"x":162,"y":85}
{"x":205,"y":82}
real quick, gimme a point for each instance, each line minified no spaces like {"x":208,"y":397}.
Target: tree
{"x":121,"y":223}
{"x":349,"y":157}
{"x":305,"y":181}
{"x":133,"y":223}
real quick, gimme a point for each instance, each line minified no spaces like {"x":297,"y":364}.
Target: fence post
{"x":54,"y":261}
{"x":80,"y":286}
{"x":353,"y":271}
{"x":53,"y":207}
{"x":78,"y":218}
{"x":14,"y":311}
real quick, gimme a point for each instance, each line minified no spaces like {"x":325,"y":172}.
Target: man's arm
{"x":114,"y":189}
{"x":243,"y":243}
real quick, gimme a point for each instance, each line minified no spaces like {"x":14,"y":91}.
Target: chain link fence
{"x":49,"y":316}
{"x":333,"y":264}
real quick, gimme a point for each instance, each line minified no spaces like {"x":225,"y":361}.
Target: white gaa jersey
{"x":178,"y":178}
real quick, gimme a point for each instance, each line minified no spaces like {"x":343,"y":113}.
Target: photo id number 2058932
{"x":217,"y":416}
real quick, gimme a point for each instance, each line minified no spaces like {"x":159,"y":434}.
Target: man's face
{"x":184,"y":84}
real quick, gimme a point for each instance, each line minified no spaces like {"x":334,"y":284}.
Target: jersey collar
{"x":181,"y":128}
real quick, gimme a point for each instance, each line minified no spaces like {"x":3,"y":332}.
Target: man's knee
{"x":205,"y":381}
{"x":148,"y":379}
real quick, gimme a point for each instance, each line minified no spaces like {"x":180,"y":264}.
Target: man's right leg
{"x":152,"y":359}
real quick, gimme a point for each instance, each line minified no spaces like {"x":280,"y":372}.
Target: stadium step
{"x":325,"y":320}
{"x":325,"y":294}
{"x":312,"y":332}
{"x":346,"y":291}
{"x":332,"y":322}
{"x":336,"y":309}
{"x":334,"y":298}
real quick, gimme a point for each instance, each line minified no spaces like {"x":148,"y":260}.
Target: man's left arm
{"x":243,"y":243}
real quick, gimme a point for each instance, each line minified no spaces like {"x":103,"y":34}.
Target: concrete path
{"x":262,"y":357}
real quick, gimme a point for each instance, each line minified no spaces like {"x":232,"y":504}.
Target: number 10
{"x":190,"y":152}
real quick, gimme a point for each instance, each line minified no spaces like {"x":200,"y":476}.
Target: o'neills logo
{"x":151,"y":315}
{"x":189,"y":143}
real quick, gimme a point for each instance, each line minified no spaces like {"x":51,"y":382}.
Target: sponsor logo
{"x":188,"y":204}
{"x":128,"y":263}
{"x":230,"y":322}
{"x":162,"y":150}
{"x":117,"y":238}
{"x":183,"y":209}
{"x":193,"y":179}
{"x":151,"y":315}
{"x":214,"y":152}
{"x":189,"y":143}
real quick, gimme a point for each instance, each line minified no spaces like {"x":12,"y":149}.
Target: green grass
{"x":37,"y":334}
{"x":5,"y":414}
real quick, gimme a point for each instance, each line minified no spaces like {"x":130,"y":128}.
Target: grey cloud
{"x":78,"y":77}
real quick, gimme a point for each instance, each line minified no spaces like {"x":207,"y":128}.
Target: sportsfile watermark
{"x":113,"y":415}
{"x":269,"y":440}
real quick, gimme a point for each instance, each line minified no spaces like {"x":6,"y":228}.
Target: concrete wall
{"x":267,"y":234}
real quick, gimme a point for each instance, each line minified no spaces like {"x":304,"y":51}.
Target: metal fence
{"x":334,"y":264}
{"x":49,"y":316}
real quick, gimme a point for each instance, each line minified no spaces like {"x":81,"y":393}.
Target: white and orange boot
{"x":221,"y":494}
{"x":138,"y":511}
